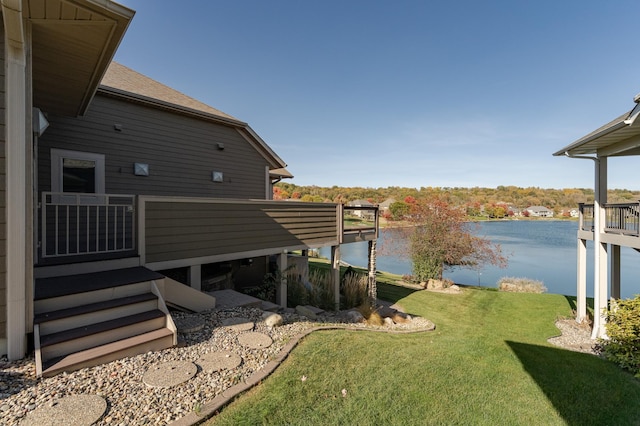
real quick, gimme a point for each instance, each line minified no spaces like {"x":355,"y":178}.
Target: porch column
{"x":16,"y":190}
{"x":281,"y":290}
{"x":600,"y":274}
{"x":581,"y":295}
{"x":615,"y":271}
{"x":335,"y":274}
{"x":373,"y":290}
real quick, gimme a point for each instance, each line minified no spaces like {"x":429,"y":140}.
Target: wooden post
{"x":615,"y":271}
{"x":372,"y":286}
{"x":335,"y":274}
{"x":581,"y":295}
{"x":281,"y":290}
{"x":195,"y":277}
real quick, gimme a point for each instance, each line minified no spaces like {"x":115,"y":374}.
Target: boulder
{"x":272,"y":319}
{"x":388,"y":321}
{"x":355,"y":316}
{"x":305,"y":312}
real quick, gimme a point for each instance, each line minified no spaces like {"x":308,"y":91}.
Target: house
{"x":364,"y":213}
{"x":122,"y":194}
{"x":539,"y":211}
{"x":385,"y":206}
{"x":609,"y":226}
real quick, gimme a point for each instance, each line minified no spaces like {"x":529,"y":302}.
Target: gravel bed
{"x":574,"y":337}
{"x":131,"y":401}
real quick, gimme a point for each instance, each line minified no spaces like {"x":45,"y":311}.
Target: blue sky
{"x":404,"y":93}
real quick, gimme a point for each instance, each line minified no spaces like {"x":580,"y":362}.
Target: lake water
{"x":541,"y":250}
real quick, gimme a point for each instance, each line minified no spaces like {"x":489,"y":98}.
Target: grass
{"x":486,"y":363}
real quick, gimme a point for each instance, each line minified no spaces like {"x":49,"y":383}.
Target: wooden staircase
{"x":89,"y":319}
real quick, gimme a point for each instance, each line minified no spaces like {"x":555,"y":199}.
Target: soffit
{"x":73,"y":42}
{"x":621,"y":132}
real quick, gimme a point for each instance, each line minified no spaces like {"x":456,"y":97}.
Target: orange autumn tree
{"x":440,"y":238}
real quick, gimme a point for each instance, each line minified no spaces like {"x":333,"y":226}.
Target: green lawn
{"x":487,"y":363}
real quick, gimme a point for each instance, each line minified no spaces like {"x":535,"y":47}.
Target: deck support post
{"x":581,"y":294}
{"x":335,"y":274}
{"x":195,"y":277}
{"x":371,"y":285}
{"x":600,"y":275}
{"x":615,"y":271}
{"x":281,"y":290}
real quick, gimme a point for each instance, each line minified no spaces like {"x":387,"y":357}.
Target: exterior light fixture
{"x":140,"y":169}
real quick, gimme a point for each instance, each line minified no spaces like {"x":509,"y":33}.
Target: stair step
{"x":46,"y":288}
{"x":93,"y":307}
{"x":151,"y":341}
{"x":80,"y":332}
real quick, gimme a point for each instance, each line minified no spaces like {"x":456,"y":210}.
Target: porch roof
{"x":619,"y":137}
{"x":73,"y":43}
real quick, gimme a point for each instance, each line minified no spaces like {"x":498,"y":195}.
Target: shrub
{"x":370,"y":314}
{"x":521,"y":285}
{"x":623,"y":330}
{"x":354,"y":289}
{"x":321,"y":293}
{"x":297,"y":292}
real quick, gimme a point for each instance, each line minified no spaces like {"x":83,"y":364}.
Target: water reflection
{"x":541,"y":250}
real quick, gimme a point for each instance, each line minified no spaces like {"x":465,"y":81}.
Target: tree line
{"x":557,"y":200}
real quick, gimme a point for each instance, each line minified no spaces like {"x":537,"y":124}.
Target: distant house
{"x":574,"y":213}
{"x":539,"y":211}
{"x":385,"y":206}
{"x":361,"y":213}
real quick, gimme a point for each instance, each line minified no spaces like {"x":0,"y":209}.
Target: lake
{"x":542,"y":250}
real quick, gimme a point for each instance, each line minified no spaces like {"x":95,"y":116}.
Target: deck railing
{"x":619,"y":218}
{"x":83,"y":224}
{"x":163,"y":229}
{"x":359,"y":220}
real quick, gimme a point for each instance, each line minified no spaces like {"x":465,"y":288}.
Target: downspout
{"x":597,"y":316}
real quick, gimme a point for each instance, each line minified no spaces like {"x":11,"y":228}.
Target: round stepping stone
{"x":189,"y":324}
{"x":217,"y":361}
{"x":255,"y":340}
{"x":75,"y":410}
{"x":169,"y":374}
{"x":238,"y":324}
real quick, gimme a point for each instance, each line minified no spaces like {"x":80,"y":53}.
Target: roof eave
{"x":611,"y":127}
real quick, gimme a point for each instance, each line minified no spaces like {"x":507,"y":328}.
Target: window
{"x":74,"y":171}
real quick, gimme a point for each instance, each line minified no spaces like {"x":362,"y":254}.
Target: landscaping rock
{"x":388,"y":321}
{"x":386,"y":311}
{"x":306,"y":312}
{"x":272,"y":320}
{"x":355,"y":316}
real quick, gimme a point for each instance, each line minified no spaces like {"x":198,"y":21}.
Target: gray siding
{"x":181,"y":151}
{"x":3,"y":198}
{"x":183,"y":230}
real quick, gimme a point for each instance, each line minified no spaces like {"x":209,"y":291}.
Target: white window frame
{"x":57,"y":157}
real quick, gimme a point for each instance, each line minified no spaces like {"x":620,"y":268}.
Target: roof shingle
{"x":125,"y":79}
